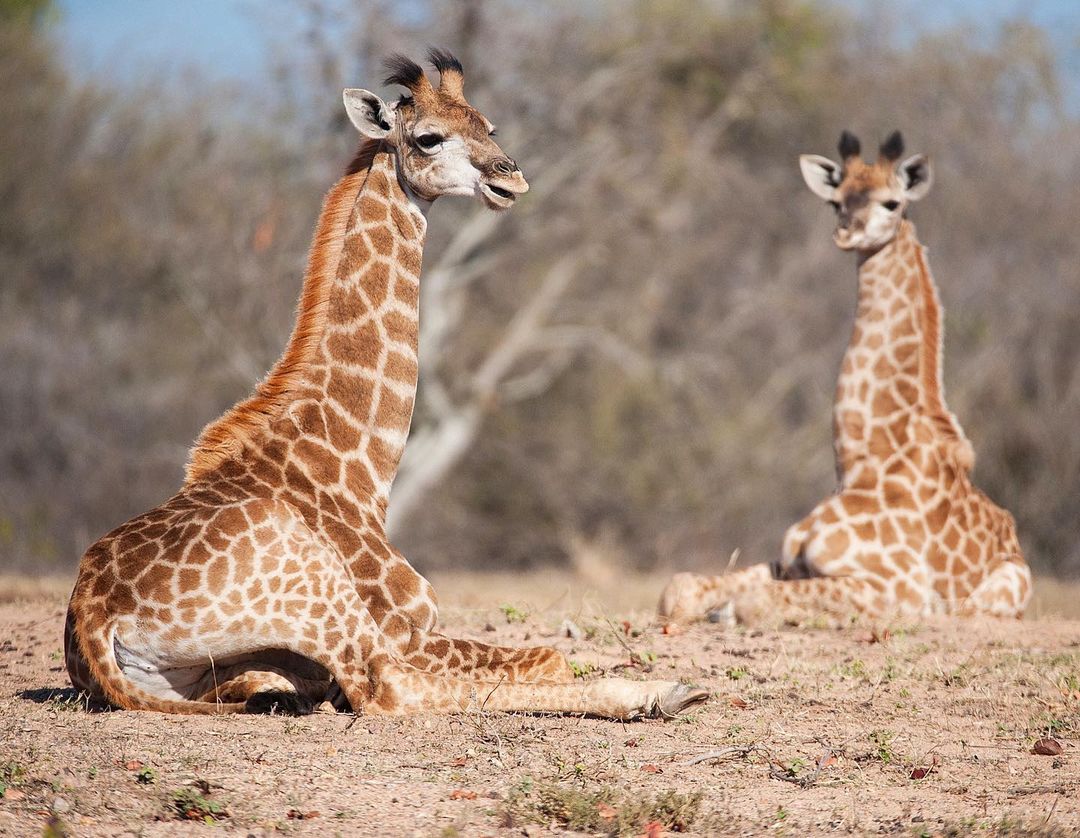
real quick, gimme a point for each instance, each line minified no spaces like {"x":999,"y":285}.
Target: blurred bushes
{"x":151,"y":248}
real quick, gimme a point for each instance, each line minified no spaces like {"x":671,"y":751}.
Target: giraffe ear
{"x":370,"y":114}
{"x":916,"y":176}
{"x":821,"y":174}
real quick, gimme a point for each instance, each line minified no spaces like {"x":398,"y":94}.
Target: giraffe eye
{"x":890,"y":205}
{"x":428,"y":141}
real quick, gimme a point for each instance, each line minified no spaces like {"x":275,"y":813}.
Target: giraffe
{"x":907,"y":532}
{"x":268,"y":581}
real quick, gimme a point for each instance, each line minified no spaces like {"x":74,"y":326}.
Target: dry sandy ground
{"x":810,"y":731}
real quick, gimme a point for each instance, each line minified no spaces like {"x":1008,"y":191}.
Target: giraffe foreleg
{"x":339,"y":633}
{"x":401,"y":689}
{"x":374,"y":680}
{"x":691,"y":596}
{"x":1003,"y":593}
{"x":458,"y":657}
{"x":837,"y":599}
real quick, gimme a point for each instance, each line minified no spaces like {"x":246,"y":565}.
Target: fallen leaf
{"x":829,"y":761}
{"x":606,"y":811}
{"x":463,"y":794}
{"x":460,"y":762}
{"x":631,"y":743}
{"x":671,"y":629}
{"x":297,"y":815}
{"x":921,"y":771}
{"x":133,"y":765}
{"x":650,"y":768}
{"x":1047,"y":747}
{"x":13,"y":794}
{"x":738,"y":702}
{"x":653,"y":829}
{"x":626,"y":626}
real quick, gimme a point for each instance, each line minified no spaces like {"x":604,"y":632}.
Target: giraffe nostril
{"x":505,"y":166}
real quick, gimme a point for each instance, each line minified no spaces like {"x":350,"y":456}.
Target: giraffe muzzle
{"x":501,"y":190}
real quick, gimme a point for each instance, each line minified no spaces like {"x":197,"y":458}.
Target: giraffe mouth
{"x":497,"y":197}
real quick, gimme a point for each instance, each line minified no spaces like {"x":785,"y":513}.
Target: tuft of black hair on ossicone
{"x":403,"y":71}
{"x":893,"y":146}
{"x":849,"y":145}
{"x":442,"y":61}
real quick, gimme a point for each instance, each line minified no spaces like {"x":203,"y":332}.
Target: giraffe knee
{"x":681,"y":599}
{"x":554,"y":666}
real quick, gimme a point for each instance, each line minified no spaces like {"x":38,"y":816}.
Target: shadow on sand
{"x":66,"y":698}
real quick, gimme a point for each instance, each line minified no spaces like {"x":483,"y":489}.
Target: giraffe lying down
{"x":907,"y":532}
{"x":269,"y":577}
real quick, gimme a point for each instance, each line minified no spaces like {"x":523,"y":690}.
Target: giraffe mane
{"x":931,"y":366}
{"x":224,"y":438}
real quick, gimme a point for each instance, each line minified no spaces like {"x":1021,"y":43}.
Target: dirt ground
{"x":920,"y":729}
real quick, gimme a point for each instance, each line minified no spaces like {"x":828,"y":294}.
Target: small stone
{"x":60,"y":805}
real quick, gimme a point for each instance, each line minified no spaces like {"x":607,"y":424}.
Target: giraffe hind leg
{"x":264,"y":689}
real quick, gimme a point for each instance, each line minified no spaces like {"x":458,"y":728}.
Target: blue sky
{"x":228,"y":39}
{"x":121,"y":38}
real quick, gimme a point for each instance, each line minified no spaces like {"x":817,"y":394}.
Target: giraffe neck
{"x":891,"y":371}
{"x":333,"y":414}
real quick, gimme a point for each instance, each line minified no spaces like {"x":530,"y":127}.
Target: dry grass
{"x":810,"y":731}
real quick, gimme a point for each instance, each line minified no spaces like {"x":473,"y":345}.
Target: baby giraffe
{"x":268,"y":578}
{"x":906,"y":532}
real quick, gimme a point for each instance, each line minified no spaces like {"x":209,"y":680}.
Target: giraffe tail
{"x":93,"y":634}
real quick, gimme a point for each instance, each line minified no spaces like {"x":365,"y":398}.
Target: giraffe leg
{"x":339,"y":633}
{"x":380,"y":682}
{"x":1003,"y":593}
{"x":407,"y":611}
{"x":262,"y":689}
{"x":690,"y":596}
{"x":836,"y":599}
{"x":401,"y":689}
{"x":442,"y":655}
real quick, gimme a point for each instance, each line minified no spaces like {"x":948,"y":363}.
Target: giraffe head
{"x":870,"y":199}
{"x":444,"y":145}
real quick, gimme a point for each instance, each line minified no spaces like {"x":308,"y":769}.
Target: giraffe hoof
{"x":724,"y":615}
{"x":279,"y":704}
{"x":679,"y":698}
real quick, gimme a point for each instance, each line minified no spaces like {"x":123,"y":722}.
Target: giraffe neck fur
{"x":342,"y":395}
{"x":890,"y":379}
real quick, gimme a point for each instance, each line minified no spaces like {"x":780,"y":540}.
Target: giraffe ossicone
{"x":268,"y":578}
{"x":907,"y":532}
